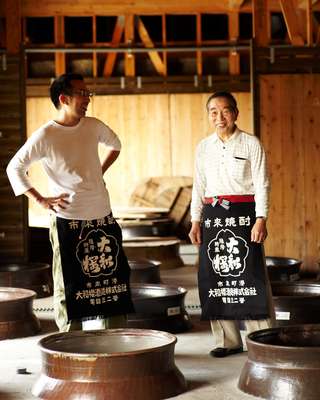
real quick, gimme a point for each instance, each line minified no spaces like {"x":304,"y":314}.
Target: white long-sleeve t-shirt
{"x":234,"y":167}
{"x":69,"y":156}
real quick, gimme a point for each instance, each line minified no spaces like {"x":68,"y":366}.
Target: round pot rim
{"x":276,"y":284}
{"x":35,"y":266}
{"x":148,"y":263}
{"x":297,"y":327}
{"x":129,"y":331}
{"x":179,"y":290}
{"x":294,"y":261}
{"x":28,"y":294}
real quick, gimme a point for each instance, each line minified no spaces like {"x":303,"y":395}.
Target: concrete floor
{"x":207,"y":377}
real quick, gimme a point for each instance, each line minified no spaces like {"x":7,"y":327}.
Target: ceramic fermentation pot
{"x":159,"y":307}
{"x":165,"y":250}
{"x":296,"y":302}
{"x":283,"y":363}
{"x":115,"y":364}
{"x":33,"y":276}
{"x":16,"y":315}
{"x":153,"y":227}
{"x":283,"y":268}
{"x":144,"y":271}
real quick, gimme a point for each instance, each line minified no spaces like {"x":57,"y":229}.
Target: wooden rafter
{"x":116,"y":38}
{"x":291,"y":20}
{"x":147,"y":41}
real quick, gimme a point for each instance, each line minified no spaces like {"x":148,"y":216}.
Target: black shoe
{"x":224,"y":352}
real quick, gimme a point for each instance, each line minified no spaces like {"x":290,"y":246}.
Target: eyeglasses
{"x":81,"y":92}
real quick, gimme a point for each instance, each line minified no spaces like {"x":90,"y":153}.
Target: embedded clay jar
{"x":115,"y":364}
{"x":283,"y":268}
{"x":165,"y":250}
{"x":32,"y":276}
{"x":296,"y":302}
{"x":144,"y":271}
{"x":16,"y":314}
{"x":283,"y":363}
{"x":146,"y":228}
{"x":159,"y":307}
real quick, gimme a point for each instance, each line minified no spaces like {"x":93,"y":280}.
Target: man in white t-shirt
{"x":79,"y":203}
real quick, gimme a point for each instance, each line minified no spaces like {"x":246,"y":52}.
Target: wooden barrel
{"x":33,"y":276}
{"x":113,"y":364}
{"x":16,"y":314}
{"x":165,"y":250}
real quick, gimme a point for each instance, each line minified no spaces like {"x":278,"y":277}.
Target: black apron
{"x":95,"y":269}
{"x":232,"y":281}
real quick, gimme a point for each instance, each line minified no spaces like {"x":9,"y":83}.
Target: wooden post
{"x":234,"y":57}
{"x":94,"y":42}
{"x":164,"y":44}
{"x":261,"y":22}
{"x":309,"y":23}
{"x":199,"y":41}
{"x":129,"y":59}
{"x":13,"y":26}
{"x":59,"y":58}
{"x":255,"y":88}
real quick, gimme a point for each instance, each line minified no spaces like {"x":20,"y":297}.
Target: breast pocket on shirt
{"x":240,"y":166}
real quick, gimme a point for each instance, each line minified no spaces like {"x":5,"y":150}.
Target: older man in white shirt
{"x":229,"y":210}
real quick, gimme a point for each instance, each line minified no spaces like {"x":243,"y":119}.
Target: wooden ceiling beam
{"x":137,"y":7}
{"x":291,"y":20}
{"x":30,"y":8}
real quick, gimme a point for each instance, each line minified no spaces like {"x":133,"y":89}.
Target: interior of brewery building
{"x":151,"y":67}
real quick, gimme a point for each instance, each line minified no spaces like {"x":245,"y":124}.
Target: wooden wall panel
{"x":290,"y":106}
{"x":142,"y":123}
{"x":189,"y":124}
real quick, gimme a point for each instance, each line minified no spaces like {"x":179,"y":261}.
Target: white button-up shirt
{"x":234,"y":167}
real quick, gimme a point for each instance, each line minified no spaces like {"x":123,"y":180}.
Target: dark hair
{"x":62,"y":85}
{"x":227,"y":95}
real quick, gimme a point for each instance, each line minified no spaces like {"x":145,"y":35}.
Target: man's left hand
{"x":259,"y":231}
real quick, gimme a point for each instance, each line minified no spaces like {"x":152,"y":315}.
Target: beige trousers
{"x":59,"y":297}
{"x":226,"y":333}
